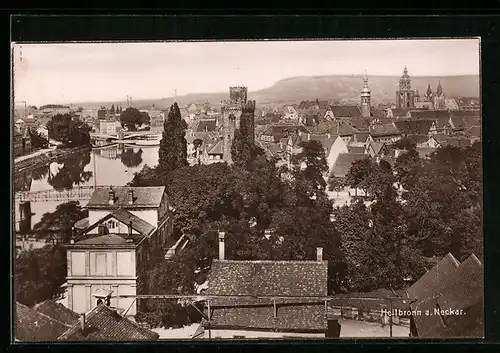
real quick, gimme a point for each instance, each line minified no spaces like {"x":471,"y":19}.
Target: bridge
{"x":77,"y":193}
{"x":146,"y":135}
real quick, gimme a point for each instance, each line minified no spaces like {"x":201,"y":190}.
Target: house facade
{"x":126,"y":226}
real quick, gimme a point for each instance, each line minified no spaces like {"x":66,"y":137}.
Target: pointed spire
{"x":439,"y":89}
{"x":429,"y":90}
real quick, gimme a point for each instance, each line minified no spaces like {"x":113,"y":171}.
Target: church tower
{"x":237,"y":113}
{"x":439,"y":99}
{"x":405,"y":96}
{"x":365,"y":99}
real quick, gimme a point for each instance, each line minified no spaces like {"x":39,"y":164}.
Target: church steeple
{"x":439,"y":89}
{"x":365,"y":98}
{"x":429,"y":91}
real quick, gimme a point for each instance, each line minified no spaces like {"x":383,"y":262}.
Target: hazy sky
{"x":79,"y":72}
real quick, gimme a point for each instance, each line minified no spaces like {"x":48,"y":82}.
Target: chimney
{"x":129,"y":239}
{"x":73,"y":235}
{"x":319,"y":254}
{"x":111,"y":194}
{"x":221,"y":245}
{"x":131,"y":197}
{"x":100,"y":229}
{"x":308,"y":137}
{"x":82,"y":322}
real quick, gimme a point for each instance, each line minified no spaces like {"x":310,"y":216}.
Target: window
{"x":100,"y":264}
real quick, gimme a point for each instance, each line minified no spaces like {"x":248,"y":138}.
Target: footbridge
{"x":77,"y":193}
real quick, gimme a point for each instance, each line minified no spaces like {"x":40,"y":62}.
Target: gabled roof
{"x":335,"y":128}
{"x":419,"y":138}
{"x":411,"y":126}
{"x":105,"y":324}
{"x":206,"y":125}
{"x":356,"y":149}
{"x":344,"y":161}
{"x":473,"y":131}
{"x":110,"y":239}
{"x":400,"y":112}
{"x":361,"y":136}
{"x":145,"y":197}
{"x":279,"y":131}
{"x":384,"y":130}
{"x":460,"y":287}
{"x":268,"y":278}
{"x":345,"y":111}
{"x":34,"y":326}
{"x":57,"y":312}
{"x":217,"y":148}
{"x":376,"y":146}
{"x":429,"y":114}
{"x":138,"y":224}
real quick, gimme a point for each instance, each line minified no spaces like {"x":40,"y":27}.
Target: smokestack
{"x":111,"y":194}
{"x":131,"y":197}
{"x":221,"y":245}
{"x":319,"y":254}
{"x":82,"y":322}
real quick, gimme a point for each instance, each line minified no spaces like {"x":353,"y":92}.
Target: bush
{"x":172,"y":315}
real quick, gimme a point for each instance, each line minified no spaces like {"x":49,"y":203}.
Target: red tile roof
{"x":105,"y":324}
{"x":144,"y":197}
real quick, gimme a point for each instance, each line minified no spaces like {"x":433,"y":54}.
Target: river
{"x":112,"y":165}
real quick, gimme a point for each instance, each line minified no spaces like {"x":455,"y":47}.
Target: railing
{"x":76,"y":193}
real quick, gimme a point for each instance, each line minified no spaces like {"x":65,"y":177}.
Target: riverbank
{"x":44,"y":157}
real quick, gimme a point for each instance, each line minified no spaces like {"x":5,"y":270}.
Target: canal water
{"x":111,"y":165}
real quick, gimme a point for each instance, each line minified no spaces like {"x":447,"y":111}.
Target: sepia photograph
{"x":247,"y":190}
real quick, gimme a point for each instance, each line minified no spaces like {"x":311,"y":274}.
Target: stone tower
{"x":439,"y":99}
{"x":365,"y":99}
{"x":405,"y":96}
{"x":237,"y":113}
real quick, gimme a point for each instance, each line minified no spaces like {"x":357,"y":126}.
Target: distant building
{"x":126,"y":226}
{"x":238,"y":113}
{"x":405,"y":95}
{"x":109,"y":127}
{"x":290,"y":113}
{"x":267,"y":318}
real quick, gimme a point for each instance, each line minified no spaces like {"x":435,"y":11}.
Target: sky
{"x":86,"y":72}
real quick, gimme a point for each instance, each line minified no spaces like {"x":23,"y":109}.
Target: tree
{"x":36,"y":278}
{"x":173,"y":146}
{"x":56,"y":226}
{"x":243,"y":148}
{"x":336,"y":184}
{"x":358,"y":172}
{"x":131,"y":119}
{"x":310,"y":165}
{"x":131,"y":159}
{"x":71,"y":173}
{"x":70,"y":131}
{"x":38,"y":140}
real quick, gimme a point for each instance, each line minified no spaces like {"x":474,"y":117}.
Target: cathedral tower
{"x":439,"y":99}
{"x":365,"y":99}
{"x":237,"y":113}
{"x":405,"y":96}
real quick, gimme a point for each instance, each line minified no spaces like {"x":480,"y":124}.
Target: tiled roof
{"x":279,"y":131}
{"x":82,"y":223}
{"x":34,"y":326}
{"x":415,"y":127}
{"x":429,"y":114}
{"x":473,"y":131}
{"x":347,"y":111}
{"x":334,"y":128}
{"x":356,"y":149}
{"x":425,"y":286}
{"x":384,"y":130}
{"x":217,"y":148}
{"x":458,"y":141}
{"x":466,"y":113}
{"x":109,"y":239}
{"x":57,"y":311}
{"x":105,"y":324}
{"x":343,"y":163}
{"x":399,"y":112}
{"x":138,"y":224}
{"x":206,"y":126}
{"x":361,"y":136}
{"x":460,"y":289}
{"x":144,"y":197}
{"x":419,"y":138}
{"x":376,"y":146}
{"x":268,"y":278}
{"x":289,"y":318}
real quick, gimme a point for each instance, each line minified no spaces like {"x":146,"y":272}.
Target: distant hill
{"x":343,"y":88}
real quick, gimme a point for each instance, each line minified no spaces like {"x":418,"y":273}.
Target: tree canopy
{"x":131,"y":118}
{"x":72,"y":132}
